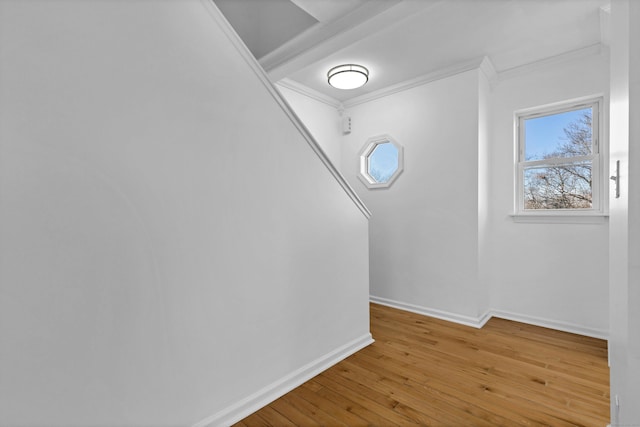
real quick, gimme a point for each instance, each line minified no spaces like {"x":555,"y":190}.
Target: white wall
{"x":170,"y":244}
{"x":553,"y":273}
{"x":424,"y":228}
{"x":322,"y":120}
{"x":441,"y":237}
{"x":624,"y":342}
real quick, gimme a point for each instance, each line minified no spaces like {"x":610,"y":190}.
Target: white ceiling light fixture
{"x":348,"y":76}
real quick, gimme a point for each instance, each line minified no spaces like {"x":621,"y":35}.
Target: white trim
{"x":440,"y":74}
{"x":605,"y":24}
{"x":552,"y":324}
{"x":560,"y":106}
{"x":309,"y":93}
{"x":594,"y":49}
{"x":242,"y":49}
{"x":476,"y":322}
{"x":560,"y":218}
{"x":599,"y":195}
{"x":489,"y":71}
{"x":480,"y":321}
{"x":273,"y":391}
{"x":366,"y":151}
{"x":484,"y":64}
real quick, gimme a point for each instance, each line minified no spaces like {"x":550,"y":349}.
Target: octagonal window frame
{"x":367,"y":150}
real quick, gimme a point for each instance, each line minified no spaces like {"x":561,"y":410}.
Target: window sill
{"x":560,"y":218}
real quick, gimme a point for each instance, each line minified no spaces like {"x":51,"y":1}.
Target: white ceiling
{"x":399,"y":40}
{"x":327,"y":10}
{"x":258,"y":22}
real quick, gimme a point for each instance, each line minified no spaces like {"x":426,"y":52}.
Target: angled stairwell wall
{"x":173,"y":249}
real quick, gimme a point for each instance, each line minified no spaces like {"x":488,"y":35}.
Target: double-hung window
{"x":559,"y":160}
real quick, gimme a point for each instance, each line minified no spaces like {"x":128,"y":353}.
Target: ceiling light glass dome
{"x":348,"y":76}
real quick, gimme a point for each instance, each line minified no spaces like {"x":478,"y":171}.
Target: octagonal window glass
{"x":381,"y":161}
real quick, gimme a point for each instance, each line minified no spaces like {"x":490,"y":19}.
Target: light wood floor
{"x":424,"y":371}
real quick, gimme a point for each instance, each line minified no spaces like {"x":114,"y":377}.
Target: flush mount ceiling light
{"x":348,"y":76}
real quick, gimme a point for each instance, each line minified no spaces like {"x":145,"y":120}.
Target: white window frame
{"x":598,"y":209}
{"x":367,"y":150}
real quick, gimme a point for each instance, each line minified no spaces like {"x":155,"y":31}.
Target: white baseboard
{"x":257,"y":400}
{"x":268,"y":394}
{"x":478,"y":322}
{"x":552,"y":324}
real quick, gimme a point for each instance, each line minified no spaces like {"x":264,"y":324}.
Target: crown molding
{"x":594,"y":49}
{"x":418,"y":81}
{"x":309,"y":92}
{"x":605,"y":25}
{"x":489,"y":71}
{"x":483,"y":64}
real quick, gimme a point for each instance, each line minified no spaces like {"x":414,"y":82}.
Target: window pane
{"x":558,"y":187}
{"x":383,"y":162}
{"x":565,"y":134}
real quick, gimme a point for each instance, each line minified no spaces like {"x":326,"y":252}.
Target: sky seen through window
{"x":545,"y":135}
{"x":383,"y":162}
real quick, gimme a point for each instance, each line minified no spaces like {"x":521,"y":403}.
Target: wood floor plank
{"x":340,"y":412}
{"x":274,"y":418}
{"x":481,"y":399}
{"x":421,"y":408}
{"x":520,"y":384}
{"x":296,"y":415}
{"x":378,"y":403}
{"x":315,"y":412}
{"x":455,"y":393}
{"x":445,"y":408}
{"x":255,"y":420}
{"x":430,"y":372}
{"x":344,"y":400}
{"x":527,"y":352}
{"x":473,"y":356}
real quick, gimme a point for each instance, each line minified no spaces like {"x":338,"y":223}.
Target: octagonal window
{"x":381,"y":161}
